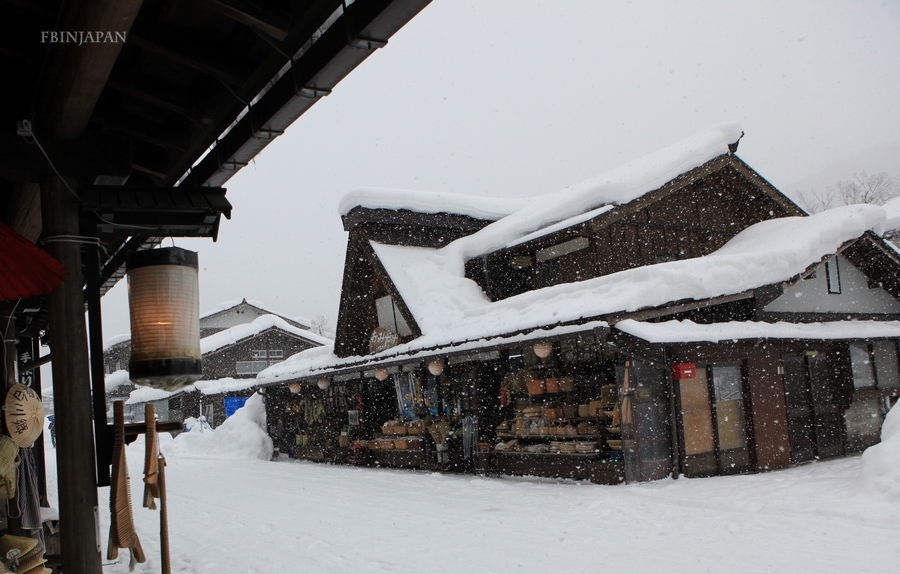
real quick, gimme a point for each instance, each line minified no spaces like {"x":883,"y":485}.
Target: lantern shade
{"x":436,"y":367}
{"x":324,"y":383}
{"x":164,"y":299}
{"x":543,"y":350}
{"x":295,"y":387}
{"x":381,"y":373}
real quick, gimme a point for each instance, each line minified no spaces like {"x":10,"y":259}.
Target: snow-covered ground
{"x":233,"y":512}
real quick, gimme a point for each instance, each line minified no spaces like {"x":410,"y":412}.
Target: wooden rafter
{"x":254,"y":17}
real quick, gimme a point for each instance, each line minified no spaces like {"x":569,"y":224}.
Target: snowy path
{"x":254,"y":516}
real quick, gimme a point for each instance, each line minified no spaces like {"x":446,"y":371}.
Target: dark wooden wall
{"x":223,"y":363}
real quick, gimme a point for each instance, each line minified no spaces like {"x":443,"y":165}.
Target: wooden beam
{"x":155,"y":98}
{"x":250,"y":15}
{"x":78,"y":72}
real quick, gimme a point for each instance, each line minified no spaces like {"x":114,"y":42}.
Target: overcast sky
{"x":521,"y":98}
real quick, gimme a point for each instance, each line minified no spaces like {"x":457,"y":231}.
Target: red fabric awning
{"x":26,"y":269}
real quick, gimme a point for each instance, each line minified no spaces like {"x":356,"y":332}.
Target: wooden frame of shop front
{"x":769,"y":411}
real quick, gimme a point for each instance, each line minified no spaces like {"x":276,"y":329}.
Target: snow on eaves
{"x":237,"y":333}
{"x":689,"y":332}
{"x":214,"y":387}
{"x":489,"y":208}
{"x":322,"y":360}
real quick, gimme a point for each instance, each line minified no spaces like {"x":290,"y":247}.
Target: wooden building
{"x":678,"y":315}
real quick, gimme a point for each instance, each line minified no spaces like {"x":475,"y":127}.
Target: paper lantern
{"x":543,"y":350}
{"x":295,"y":387}
{"x":324,"y":383}
{"x":381,"y":373}
{"x":436,"y":367}
{"x":164,"y":299}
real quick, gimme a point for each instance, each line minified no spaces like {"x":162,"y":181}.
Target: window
{"x":886,"y":367}
{"x":276,"y":354}
{"x":260,"y":354}
{"x":250,"y":367}
{"x":390,"y":318}
{"x":833,"y":276}
{"x":875,"y":365}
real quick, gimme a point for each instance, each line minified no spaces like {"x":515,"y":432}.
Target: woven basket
{"x":401,"y":444}
{"x":552,"y":385}
{"x":567,"y":384}
{"x":537,"y":387}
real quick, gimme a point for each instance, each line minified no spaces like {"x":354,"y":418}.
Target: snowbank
{"x":242,"y":436}
{"x":880,"y":469}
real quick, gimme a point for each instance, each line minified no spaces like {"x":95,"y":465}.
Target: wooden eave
{"x":198,"y":88}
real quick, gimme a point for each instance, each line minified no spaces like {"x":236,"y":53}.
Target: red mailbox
{"x":684,"y":371}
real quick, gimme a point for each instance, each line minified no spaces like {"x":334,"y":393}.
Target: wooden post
{"x":163,"y":518}
{"x":72,"y":386}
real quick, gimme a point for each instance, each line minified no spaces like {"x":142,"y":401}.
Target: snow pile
{"x":116,"y":380}
{"x":892,"y":209}
{"x":241,"y":436}
{"x":880,"y":469}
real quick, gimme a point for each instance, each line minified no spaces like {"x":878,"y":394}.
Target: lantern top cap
{"x":163,"y":256}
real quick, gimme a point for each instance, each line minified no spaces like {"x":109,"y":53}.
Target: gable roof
{"x":244,"y":305}
{"x":240,"y":333}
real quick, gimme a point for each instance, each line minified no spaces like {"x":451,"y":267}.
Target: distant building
{"x":236,"y":344}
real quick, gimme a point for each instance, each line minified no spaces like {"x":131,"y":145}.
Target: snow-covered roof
{"x":147,"y":394}
{"x":489,"y":208}
{"x":615,"y":187}
{"x":214,"y":387}
{"x":115,"y":380}
{"x":450,"y":309}
{"x":237,"y":333}
{"x":115,"y":340}
{"x":313,"y":361}
{"x":892,"y":209}
{"x":689,"y":332}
